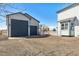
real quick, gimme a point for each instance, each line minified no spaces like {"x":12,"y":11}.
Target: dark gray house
{"x":20,"y":24}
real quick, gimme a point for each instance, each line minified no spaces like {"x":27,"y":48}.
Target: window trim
{"x":65,"y":26}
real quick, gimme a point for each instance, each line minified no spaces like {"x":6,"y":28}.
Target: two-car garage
{"x":19,"y":27}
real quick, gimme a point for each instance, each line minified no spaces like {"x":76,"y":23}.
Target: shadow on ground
{"x":39,"y":36}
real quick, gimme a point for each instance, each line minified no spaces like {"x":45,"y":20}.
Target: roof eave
{"x":22,"y":14}
{"x":68,"y":7}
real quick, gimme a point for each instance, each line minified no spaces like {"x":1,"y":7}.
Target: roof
{"x":68,"y":19}
{"x":25,"y":14}
{"x":68,"y":7}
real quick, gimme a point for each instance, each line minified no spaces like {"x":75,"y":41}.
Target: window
{"x":72,"y":24}
{"x":66,"y":25}
{"x":62,"y":26}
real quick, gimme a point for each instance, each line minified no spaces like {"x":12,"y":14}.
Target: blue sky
{"x":44,"y":12}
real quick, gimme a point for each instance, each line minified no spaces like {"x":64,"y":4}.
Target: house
{"x":22,"y":24}
{"x":68,"y":20}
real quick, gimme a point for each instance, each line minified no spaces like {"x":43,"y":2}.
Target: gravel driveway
{"x":46,"y":46}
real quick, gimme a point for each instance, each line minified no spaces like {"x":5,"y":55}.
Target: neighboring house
{"x":68,"y":21}
{"x":20,"y":24}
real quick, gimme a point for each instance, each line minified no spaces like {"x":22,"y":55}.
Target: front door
{"x":72,"y":29}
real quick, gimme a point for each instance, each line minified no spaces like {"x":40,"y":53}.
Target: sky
{"x":44,"y":12}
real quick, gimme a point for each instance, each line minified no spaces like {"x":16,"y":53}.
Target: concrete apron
{"x":17,"y":38}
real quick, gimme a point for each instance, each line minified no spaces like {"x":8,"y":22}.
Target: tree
{"x":4,"y":11}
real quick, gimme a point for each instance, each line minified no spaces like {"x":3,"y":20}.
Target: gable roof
{"x":68,"y":7}
{"x":26,"y":15}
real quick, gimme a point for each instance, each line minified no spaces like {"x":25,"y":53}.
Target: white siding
{"x":76,"y":28}
{"x":69,"y":13}
{"x":59,"y":29}
{"x":76,"y":31}
{"x":65,"y":32}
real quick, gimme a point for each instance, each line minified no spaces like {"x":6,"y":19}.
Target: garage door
{"x":19,"y":28}
{"x":33,"y":30}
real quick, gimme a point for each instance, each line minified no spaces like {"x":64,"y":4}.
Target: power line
{"x":8,"y":11}
{"x":21,"y":10}
{"x":3,"y":8}
{"x":4,"y":12}
{"x":2,"y":15}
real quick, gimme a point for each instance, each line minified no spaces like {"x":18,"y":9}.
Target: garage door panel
{"x":33,"y":30}
{"x":19,"y":28}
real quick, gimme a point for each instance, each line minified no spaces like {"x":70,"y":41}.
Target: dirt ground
{"x":46,"y":46}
